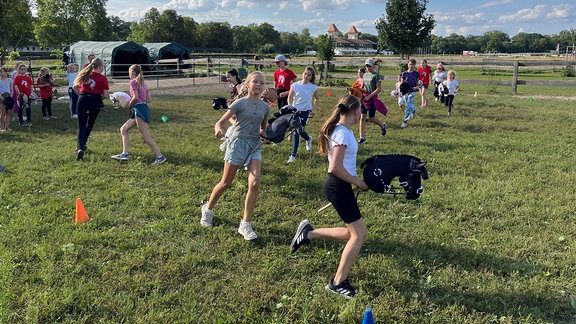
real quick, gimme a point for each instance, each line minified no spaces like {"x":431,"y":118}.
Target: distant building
{"x":35,"y":49}
{"x":351,"y":45}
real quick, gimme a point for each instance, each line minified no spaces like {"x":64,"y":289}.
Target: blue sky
{"x":463,"y":17}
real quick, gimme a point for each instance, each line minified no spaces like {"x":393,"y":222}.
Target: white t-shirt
{"x":5,"y":85}
{"x":439,"y":76}
{"x":452,"y":85}
{"x":303,"y":94}
{"x":344,"y":136}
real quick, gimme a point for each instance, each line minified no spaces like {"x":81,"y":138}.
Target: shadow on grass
{"x":513,"y":301}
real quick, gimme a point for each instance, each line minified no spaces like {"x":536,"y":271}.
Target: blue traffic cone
{"x":1,"y":168}
{"x":368,"y":318}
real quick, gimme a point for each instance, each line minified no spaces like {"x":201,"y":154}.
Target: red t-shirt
{"x":283,"y":79}
{"x":425,"y":74}
{"x":24,"y":84}
{"x":45,"y":92}
{"x":95,"y":85}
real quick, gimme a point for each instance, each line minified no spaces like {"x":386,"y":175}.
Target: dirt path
{"x":169,"y":86}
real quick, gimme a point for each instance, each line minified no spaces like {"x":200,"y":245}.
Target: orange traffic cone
{"x":81,"y":215}
{"x":328,"y":93}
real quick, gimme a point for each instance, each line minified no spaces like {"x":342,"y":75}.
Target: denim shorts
{"x":142,"y":111}
{"x":239,"y":151}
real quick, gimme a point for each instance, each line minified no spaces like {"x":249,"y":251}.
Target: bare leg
{"x":227,"y":177}
{"x":254,"y":174}
{"x":376,"y":121}
{"x":128,"y":125}
{"x":423,"y":94}
{"x":355,"y":233}
{"x":362,"y":127}
{"x":145,"y":133}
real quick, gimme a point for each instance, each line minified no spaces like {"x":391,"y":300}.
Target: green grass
{"x":491,"y":239}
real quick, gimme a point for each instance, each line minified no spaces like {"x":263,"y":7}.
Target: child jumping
{"x":139,"y":116}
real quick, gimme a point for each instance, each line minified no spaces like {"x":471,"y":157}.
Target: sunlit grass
{"x":491,"y":239}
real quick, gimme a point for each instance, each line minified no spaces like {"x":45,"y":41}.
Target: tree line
{"x":404,"y":29}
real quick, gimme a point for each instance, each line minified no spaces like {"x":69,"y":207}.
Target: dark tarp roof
{"x":117,"y":56}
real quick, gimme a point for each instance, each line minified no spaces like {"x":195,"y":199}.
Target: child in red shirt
{"x":45,"y":82}
{"x":283,"y":78}
{"x":425,"y":72}
{"x":23,"y":87}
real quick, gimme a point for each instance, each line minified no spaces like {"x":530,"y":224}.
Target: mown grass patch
{"x":491,"y":239}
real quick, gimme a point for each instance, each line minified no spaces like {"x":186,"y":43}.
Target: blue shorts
{"x":142,"y":111}
{"x":239,"y":151}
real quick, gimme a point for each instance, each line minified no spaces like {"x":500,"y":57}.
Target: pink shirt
{"x":138,"y":91}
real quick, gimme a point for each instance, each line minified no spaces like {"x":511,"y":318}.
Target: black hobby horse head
{"x":379,"y":171}
{"x":219,"y":103}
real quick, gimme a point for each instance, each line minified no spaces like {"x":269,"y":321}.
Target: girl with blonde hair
{"x":139,"y":116}
{"x":92,"y":87}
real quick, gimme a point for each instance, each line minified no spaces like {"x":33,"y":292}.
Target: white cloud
{"x":560,"y":12}
{"x":495,"y":3}
{"x":187,"y":5}
{"x":528,"y":14}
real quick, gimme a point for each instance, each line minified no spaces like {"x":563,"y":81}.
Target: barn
{"x":117,"y":56}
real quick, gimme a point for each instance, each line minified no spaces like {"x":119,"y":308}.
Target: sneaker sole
{"x":298,"y":231}
{"x":248,"y":238}
{"x":327,"y":287}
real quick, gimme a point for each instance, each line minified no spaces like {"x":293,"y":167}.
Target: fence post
{"x":515,"y":78}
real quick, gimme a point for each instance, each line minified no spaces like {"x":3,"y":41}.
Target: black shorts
{"x":368,"y":110}
{"x":340,"y":194}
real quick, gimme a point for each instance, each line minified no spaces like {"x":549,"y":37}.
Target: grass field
{"x":492,"y":239}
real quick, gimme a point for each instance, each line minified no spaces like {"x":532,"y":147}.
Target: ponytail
{"x":84,"y":74}
{"x":137,"y":69}
{"x":345,"y":105}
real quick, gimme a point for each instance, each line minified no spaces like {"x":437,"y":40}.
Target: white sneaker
{"x":246,"y":230}
{"x":309,"y":144}
{"x":291,"y":159}
{"x":404,"y":125}
{"x":207,"y":215}
{"x":74,"y":116}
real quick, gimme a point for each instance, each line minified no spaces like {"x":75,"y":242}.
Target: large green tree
{"x":405,"y":27}
{"x":244,"y":39}
{"x":61,"y":22}
{"x":146,"y":30}
{"x":217,"y":35}
{"x":120,"y":28}
{"x":15,"y":25}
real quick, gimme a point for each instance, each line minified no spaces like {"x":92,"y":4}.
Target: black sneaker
{"x":301,"y":236}
{"x":344,"y":289}
{"x":362,"y":140}
{"x":383,"y":129}
{"x":79,"y":155}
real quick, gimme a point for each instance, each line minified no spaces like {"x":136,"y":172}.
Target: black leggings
{"x":47,"y":106}
{"x":89,"y":106}
{"x":449,"y":102}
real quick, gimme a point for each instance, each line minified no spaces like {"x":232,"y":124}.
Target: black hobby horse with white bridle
{"x":379,"y":171}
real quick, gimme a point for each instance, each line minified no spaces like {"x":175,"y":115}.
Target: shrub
{"x":568,"y":71}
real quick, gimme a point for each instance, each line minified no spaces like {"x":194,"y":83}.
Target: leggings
{"x":89,"y":106}
{"x":47,"y":106}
